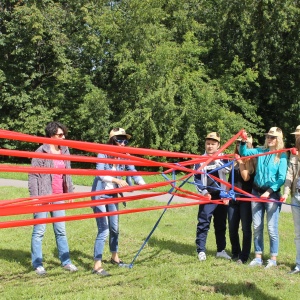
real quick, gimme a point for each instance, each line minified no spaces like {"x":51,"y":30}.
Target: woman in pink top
{"x":47,"y":184}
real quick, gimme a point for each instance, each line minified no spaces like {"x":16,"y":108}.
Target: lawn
{"x":167,"y":268}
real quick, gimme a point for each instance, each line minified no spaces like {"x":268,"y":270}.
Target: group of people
{"x":261,"y":176}
{"x":48,"y":184}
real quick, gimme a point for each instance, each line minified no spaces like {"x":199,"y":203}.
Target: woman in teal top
{"x":269,"y":177}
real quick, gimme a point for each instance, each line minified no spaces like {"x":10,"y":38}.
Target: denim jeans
{"x":60,"y":236}
{"x":106,"y":226}
{"x":240,"y":212}
{"x":272,"y":211}
{"x":296,"y":217}
{"x":205,"y":213}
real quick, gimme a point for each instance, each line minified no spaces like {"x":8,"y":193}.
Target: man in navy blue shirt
{"x":210,"y":188}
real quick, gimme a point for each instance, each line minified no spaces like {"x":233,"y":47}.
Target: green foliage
{"x":167,"y":71}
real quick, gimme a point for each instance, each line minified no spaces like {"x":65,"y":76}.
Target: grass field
{"x":167,"y":268}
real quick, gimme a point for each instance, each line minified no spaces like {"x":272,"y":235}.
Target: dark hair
{"x":52,"y":127}
{"x":298,"y":143}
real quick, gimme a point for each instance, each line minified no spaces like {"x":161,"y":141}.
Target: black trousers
{"x":205,"y":214}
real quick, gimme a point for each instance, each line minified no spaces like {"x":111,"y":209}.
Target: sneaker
{"x":239,"y":262}
{"x":70,"y":267}
{"x":202,"y":256}
{"x":223,"y":254}
{"x":40,"y":271}
{"x":294,"y":271}
{"x":100,"y":272}
{"x":256,"y":262}
{"x":271,"y":263}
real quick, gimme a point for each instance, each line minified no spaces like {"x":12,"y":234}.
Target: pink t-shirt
{"x":57,"y":179}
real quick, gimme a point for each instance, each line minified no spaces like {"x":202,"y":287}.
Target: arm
{"x":290,"y":177}
{"x":199,"y":184}
{"x":243,"y":170}
{"x":107,"y":178}
{"x":281,"y":176}
{"x":222,"y":162}
{"x":244,"y":151}
{"x":137,"y":179}
{"x":33,"y":179}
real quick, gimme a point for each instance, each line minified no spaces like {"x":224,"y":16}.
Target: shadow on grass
{"x":16,"y":256}
{"x":171,"y":245}
{"x":247,"y":289}
{"x":81,"y":258}
{"x":177,"y":247}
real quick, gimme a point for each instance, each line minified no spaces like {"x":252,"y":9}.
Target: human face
{"x":59,"y":134}
{"x":211,"y":146}
{"x":121,"y":140}
{"x":271,"y":141}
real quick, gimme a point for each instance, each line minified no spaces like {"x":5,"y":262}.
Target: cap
{"x":275,"y":131}
{"x":297,"y":130}
{"x":119,"y":131}
{"x":213,"y":136}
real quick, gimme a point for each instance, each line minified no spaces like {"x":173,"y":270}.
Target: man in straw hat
{"x":210,"y":188}
{"x":292,"y":185}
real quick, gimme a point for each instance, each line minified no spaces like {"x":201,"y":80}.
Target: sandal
{"x":120,"y":263}
{"x":100,"y":272}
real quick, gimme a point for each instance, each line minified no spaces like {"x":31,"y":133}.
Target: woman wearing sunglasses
{"x":269,"y":177}
{"x":47,"y":184}
{"x":110,"y":225}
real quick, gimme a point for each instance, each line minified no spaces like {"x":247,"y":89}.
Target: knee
{"x":38,"y":232}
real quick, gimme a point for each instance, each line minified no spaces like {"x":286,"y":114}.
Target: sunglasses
{"x":60,"y":135}
{"x":124,"y":141}
{"x":271,"y":137}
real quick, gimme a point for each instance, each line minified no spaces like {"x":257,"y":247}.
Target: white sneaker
{"x":70,"y":267}
{"x":40,"y":271}
{"x":223,"y":254}
{"x":256,"y":262}
{"x":202,"y":256}
{"x":271,"y":263}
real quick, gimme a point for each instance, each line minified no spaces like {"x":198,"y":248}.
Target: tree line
{"x":168,"y":71}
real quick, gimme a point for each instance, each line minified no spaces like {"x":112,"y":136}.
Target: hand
{"x":243,"y":135}
{"x":226,"y":201}
{"x":121,"y":183}
{"x":208,"y":196}
{"x":266,"y":194}
{"x":283,"y":198}
{"x":238,"y":158}
{"x":294,"y":151}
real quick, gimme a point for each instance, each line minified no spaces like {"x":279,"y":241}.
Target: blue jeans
{"x":60,"y":236}
{"x":296,"y":217}
{"x":205,"y":213}
{"x":106,"y":226}
{"x":272,"y":211}
{"x":240,"y":212}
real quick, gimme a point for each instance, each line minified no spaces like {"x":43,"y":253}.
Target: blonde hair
{"x":279,"y":144}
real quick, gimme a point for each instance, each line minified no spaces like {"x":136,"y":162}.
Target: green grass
{"x":167,"y":268}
